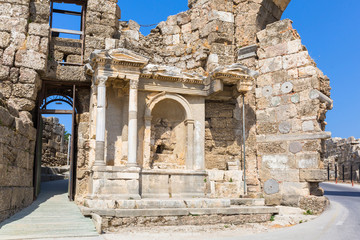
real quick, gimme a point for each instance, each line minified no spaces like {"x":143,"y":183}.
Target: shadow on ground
{"x":48,"y":190}
{"x":342,"y":193}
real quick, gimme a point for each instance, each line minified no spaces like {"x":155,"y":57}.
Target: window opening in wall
{"x":67,"y":21}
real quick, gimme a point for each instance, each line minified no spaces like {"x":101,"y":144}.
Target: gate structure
{"x":54,"y":92}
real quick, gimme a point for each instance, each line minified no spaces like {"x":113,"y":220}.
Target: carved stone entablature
{"x":237,"y":74}
{"x":172,"y":74}
{"x":117,"y":63}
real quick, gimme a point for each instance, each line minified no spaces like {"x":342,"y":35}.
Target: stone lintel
{"x":171,"y":74}
{"x":155,"y":85}
{"x":185,"y":91}
{"x":293,"y":137}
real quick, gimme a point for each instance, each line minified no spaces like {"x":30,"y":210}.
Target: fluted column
{"x":132,"y":134}
{"x":100,"y":121}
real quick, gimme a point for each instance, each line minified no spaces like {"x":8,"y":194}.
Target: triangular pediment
{"x":120,"y":56}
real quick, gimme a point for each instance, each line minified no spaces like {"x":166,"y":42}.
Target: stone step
{"x":248,"y":201}
{"x":157,"y":203}
{"x":233,"y":210}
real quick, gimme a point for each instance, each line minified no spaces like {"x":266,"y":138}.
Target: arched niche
{"x":172,"y":115}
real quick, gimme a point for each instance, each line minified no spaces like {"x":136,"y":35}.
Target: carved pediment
{"x":119,"y":56}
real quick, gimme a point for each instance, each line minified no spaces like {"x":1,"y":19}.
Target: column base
{"x":99,"y":153}
{"x":99,"y":163}
{"x":132,"y":165}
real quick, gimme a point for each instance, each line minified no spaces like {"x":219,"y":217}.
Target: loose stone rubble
{"x":160,"y":116}
{"x":345,"y":155}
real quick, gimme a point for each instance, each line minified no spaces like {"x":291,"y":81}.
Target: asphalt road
{"x":340,"y":222}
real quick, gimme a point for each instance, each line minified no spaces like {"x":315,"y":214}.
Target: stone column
{"x":132,"y":130}
{"x":147,"y":142}
{"x":199,"y":160}
{"x":100,"y":121}
{"x":189,"y":123}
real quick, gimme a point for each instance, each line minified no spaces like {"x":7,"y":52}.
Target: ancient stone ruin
{"x":218,"y":102}
{"x":54,"y":143}
{"x":343,"y":157}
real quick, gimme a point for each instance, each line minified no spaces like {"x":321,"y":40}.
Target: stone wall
{"x":343,"y":153}
{"x":168,"y":135}
{"x":17,"y":147}
{"x":24,"y":34}
{"x":222,"y":140}
{"x":290,"y":116}
{"x":54,"y":144}
{"x":285,"y":111}
{"x":211,"y":33}
{"x":24,"y":38}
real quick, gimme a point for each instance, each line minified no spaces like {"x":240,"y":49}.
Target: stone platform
{"x":108,"y":215}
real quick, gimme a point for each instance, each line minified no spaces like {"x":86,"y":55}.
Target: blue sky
{"x":330,"y":29}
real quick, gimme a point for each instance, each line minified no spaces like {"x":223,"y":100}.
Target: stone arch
{"x":189,"y":123}
{"x":176,"y":97}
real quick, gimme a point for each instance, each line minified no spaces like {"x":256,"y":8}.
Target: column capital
{"x":101,"y":80}
{"x":134,"y":84}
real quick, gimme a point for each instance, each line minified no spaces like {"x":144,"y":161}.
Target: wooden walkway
{"x":52,"y":215}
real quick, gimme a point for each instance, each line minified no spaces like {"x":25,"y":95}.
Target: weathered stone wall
{"x":168,"y":135}
{"x":198,"y":40}
{"x":17,"y":147}
{"x":209,"y":34}
{"x":24,"y":37}
{"x":222,"y":138}
{"x":23,"y":51}
{"x":83,"y":142}
{"x":54,"y":144}
{"x":290,"y":118}
{"x":344,"y":153}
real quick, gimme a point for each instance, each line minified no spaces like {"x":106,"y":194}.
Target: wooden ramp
{"x":52,"y":215}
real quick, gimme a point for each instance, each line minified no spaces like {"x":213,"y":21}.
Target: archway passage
{"x":168,"y":136}
{"x":55,"y":94}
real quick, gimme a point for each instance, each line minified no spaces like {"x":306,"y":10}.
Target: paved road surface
{"x":340,"y":221}
{"x":51,"y":215}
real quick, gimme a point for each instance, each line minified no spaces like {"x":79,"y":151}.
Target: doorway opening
{"x":56,"y":138}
